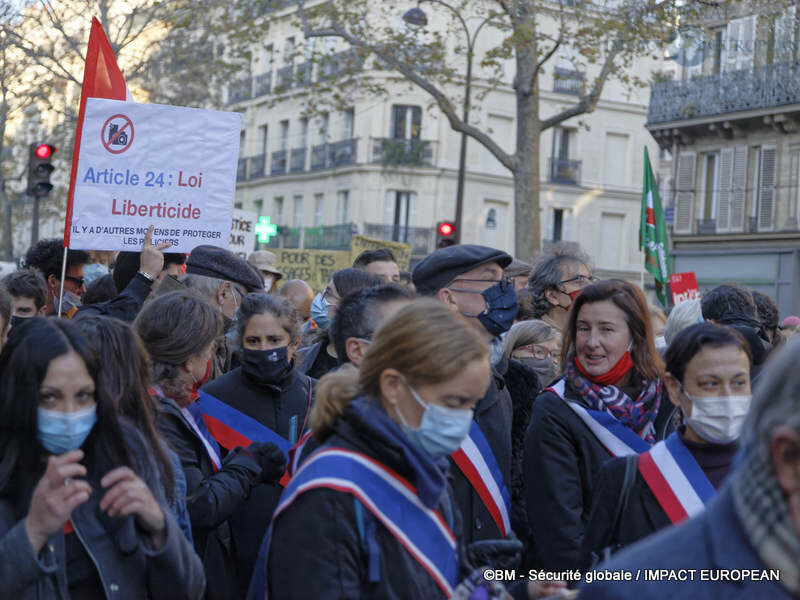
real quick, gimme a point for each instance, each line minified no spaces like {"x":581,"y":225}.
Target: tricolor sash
{"x":615,"y":437}
{"x":296,"y":453}
{"x":390,"y":498}
{"x":476,"y":460}
{"x":675,"y":478}
{"x":232,"y":428}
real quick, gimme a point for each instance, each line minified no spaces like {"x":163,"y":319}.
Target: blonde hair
{"x":425,"y":341}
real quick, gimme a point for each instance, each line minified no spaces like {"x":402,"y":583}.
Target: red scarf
{"x":617,"y":372}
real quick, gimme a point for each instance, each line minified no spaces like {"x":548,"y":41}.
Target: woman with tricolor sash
{"x":610,"y":402}
{"x":265,"y":400}
{"x":708,"y":378}
{"x":369,"y":514}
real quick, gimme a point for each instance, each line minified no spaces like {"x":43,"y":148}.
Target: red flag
{"x":101,"y":79}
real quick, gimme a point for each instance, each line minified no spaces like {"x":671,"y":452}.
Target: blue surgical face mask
{"x":442,"y":429}
{"x":319,"y":311}
{"x":502,"y":306}
{"x":94,"y":271}
{"x":60,"y":432}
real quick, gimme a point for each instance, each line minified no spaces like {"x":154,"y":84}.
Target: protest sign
{"x":402,"y":252}
{"x":143,"y":164}
{"x":315,"y":267}
{"x":684,"y":287}
{"x":243,"y":233}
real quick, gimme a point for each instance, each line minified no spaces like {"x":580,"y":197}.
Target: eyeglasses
{"x":79,"y":281}
{"x":326,"y":294}
{"x":538,"y":351}
{"x":504,"y":281}
{"x":582,"y":279}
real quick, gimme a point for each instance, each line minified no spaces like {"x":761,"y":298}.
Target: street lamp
{"x":416,"y":17}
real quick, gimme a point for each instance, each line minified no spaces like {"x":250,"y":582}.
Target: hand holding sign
{"x":152,"y":258}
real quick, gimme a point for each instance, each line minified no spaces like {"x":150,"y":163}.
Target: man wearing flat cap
{"x":223,"y":279}
{"x":470,"y":280}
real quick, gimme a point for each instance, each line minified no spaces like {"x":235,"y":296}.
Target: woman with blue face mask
{"x":265,"y":396}
{"x":83,"y":511}
{"x":708,"y":378}
{"x":369,"y":512}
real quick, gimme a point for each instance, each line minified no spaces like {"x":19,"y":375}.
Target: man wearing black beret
{"x":223,"y":279}
{"x":469,"y":279}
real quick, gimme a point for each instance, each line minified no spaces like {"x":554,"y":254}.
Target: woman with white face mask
{"x":708,"y":378}
{"x":370,"y":512}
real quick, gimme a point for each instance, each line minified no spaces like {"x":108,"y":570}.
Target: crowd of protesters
{"x":198,"y":427}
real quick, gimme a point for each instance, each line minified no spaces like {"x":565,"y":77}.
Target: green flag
{"x":653,"y":233}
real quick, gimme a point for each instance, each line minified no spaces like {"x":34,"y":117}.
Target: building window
{"x":319,"y":208}
{"x":288,"y":52}
{"x":342,"y":206}
{"x":263,"y":131}
{"x":400,"y":211}
{"x":558,"y":224}
{"x":717,"y":50}
{"x":406,"y":122}
{"x":298,"y":211}
{"x":277,"y":210}
{"x":237,"y":205}
{"x":324,"y":127}
{"x":348,"y":124}
{"x":258,"y":206}
{"x":711,"y":186}
{"x":284,"y":141}
{"x":303,"y":132}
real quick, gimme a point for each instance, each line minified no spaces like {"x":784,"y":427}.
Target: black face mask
{"x":545,"y":368}
{"x":266,"y":367}
{"x":17,"y":320}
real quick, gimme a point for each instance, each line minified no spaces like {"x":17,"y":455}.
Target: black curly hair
{"x":47,"y":255}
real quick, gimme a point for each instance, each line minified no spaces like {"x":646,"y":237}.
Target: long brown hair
{"x":630,"y":300}
{"x":426,"y":341}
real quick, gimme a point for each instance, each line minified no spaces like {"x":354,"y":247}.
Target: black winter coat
{"x":125,"y":306}
{"x":316,"y":549}
{"x":212,"y":497}
{"x":272,"y":406}
{"x":128,"y":566}
{"x":494,"y":414}
{"x":562,"y":460}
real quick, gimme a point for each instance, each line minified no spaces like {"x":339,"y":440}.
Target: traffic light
{"x":40,"y":167}
{"x":445,"y":234}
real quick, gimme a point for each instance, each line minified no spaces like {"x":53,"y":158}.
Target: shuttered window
{"x":684,"y":192}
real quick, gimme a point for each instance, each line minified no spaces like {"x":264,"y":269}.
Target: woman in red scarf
{"x":609,"y":402}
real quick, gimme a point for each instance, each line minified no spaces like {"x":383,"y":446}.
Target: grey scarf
{"x":765,"y":517}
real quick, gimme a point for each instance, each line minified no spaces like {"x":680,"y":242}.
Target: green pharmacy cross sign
{"x":265,"y":230}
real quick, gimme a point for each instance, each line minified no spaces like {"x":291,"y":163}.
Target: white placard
{"x":143,"y":164}
{"x":243,"y":232}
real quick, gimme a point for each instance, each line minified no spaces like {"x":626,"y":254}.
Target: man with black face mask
{"x":469,"y":279}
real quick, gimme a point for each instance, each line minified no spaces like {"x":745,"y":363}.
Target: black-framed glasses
{"x":327,"y":293}
{"x":504,"y":280}
{"x":79,"y":281}
{"x":582,"y":279}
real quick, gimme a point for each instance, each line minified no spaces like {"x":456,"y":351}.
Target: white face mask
{"x":268,"y":282}
{"x":718,"y":419}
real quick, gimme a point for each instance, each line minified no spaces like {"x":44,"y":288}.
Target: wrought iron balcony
{"x":241,"y":169}
{"x":392,"y":152}
{"x":240,"y":90}
{"x":258,"y":165}
{"x":338,"y":63}
{"x":297,"y":162}
{"x":330,"y":237}
{"x":706,"y":226}
{"x":420,"y":238}
{"x":563,"y":170}
{"x":278,"y":166}
{"x":749,"y":89}
{"x":566,"y":81}
{"x":336,"y":154}
{"x":262,"y":84}
{"x":283,"y":80}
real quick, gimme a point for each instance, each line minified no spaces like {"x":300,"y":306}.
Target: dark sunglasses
{"x":79,"y":281}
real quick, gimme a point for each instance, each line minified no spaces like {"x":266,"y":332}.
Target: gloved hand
{"x":270,"y":458}
{"x":498,"y":554}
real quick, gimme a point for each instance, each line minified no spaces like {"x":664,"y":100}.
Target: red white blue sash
{"x":296,"y":453}
{"x":476,"y":460}
{"x":232,"y":428}
{"x":675,"y":478}
{"x":394,"y":502}
{"x":617,"y":439}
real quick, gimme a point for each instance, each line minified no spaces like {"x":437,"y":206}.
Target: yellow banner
{"x":402,"y":252}
{"x":315,"y":267}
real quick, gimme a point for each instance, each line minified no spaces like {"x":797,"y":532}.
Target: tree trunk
{"x":7,"y":243}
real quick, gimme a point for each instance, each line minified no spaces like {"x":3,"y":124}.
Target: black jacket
{"x":316,"y":549}
{"x":212,"y":497}
{"x":272,"y":406}
{"x":126,"y":305}
{"x":128,"y":566}
{"x":494,"y":414}
{"x":562,"y":460}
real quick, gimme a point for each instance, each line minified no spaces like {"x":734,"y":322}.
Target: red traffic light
{"x":446,"y":228}
{"x":44,"y":150}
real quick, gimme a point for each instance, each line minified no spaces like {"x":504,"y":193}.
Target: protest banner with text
{"x":402,"y":252}
{"x":315,"y":267}
{"x":143,"y":164}
{"x":243,"y":232}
